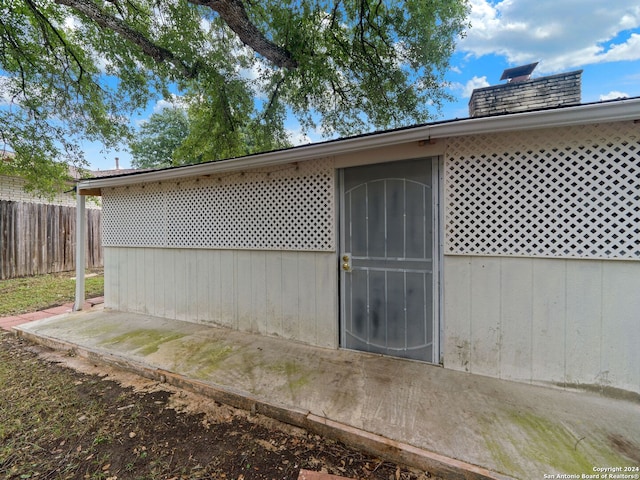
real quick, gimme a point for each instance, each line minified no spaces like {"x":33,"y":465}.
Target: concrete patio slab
{"x":449,"y":423}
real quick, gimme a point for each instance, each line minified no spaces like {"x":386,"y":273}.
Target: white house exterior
{"x":504,"y":246}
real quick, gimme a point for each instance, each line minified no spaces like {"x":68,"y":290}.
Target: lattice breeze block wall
{"x":289,"y":207}
{"x":565,"y":192}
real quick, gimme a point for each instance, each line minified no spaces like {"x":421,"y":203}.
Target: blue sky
{"x":600,"y":37}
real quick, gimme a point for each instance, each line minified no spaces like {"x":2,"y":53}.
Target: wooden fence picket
{"x":39,"y":238}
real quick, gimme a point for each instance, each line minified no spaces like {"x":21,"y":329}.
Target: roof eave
{"x":620,"y":110}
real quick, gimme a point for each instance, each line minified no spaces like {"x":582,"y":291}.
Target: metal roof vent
{"x":519,"y":74}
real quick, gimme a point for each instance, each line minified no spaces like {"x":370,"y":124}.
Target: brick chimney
{"x":521,"y":93}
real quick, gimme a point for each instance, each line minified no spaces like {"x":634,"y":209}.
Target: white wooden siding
{"x":288,"y":294}
{"x":556,"y":321}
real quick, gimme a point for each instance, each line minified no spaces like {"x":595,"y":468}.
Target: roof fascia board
{"x":579,"y":115}
{"x":622,"y":110}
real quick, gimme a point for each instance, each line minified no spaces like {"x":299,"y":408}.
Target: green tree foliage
{"x":74,"y":70}
{"x":154,"y":145}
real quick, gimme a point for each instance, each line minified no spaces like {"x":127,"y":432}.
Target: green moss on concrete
{"x":205,"y":358}
{"x":297,"y":376}
{"x":144,"y":341}
{"x":99,"y":329}
{"x":502,"y":457}
{"x":525,"y":438}
{"x":552,"y":444}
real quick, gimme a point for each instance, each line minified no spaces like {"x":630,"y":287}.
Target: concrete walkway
{"x":452,"y":424}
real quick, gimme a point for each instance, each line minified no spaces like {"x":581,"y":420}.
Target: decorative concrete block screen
{"x":289,"y":207}
{"x":565,"y":192}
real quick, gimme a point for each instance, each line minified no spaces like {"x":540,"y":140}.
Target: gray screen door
{"x":386,"y":260}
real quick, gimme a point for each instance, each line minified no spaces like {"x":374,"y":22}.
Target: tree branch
{"x":235,"y":16}
{"x":231,"y":11}
{"x":104,"y":20}
{"x":274,"y":97}
{"x":46,"y":26}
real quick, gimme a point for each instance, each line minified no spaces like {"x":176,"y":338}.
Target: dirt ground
{"x":63,"y":418}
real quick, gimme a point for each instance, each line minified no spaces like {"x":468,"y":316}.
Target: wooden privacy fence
{"x":38,"y":238}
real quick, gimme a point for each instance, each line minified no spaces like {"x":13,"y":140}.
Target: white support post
{"x":81,"y":228}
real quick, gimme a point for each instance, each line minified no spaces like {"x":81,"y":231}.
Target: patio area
{"x":449,"y":423}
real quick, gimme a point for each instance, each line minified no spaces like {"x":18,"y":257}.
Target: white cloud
{"x":298,"y":137}
{"x":475,"y":82}
{"x":251,"y":73}
{"x":468,"y":88}
{"x":613,"y":95}
{"x":560,"y":34}
{"x":161,"y":105}
{"x":174,"y":101}
{"x":629,"y":50}
{"x":70,"y":23}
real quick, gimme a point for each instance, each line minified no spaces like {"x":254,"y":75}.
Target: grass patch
{"x":30,"y":294}
{"x":49,"y":417}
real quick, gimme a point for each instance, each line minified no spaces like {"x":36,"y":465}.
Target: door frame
{"x":437,"y":189}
